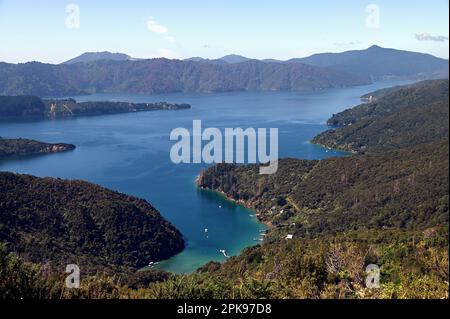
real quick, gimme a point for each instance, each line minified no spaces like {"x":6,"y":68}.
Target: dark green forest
{"x":396,"y":118}
{"x":404,"y":189}
{"x":58,"y":222}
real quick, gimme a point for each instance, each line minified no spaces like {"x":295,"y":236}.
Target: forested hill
{"x":379,"y":63}
{"x":95,"y":56}
{"x":60,"y":222}
{"x":16,"y":147}
{"x":165,"y":76}
{"x":402,"y":183}
{"x":406,"y":188}
{"x":394,"y":118}
{"x":391,"y":100}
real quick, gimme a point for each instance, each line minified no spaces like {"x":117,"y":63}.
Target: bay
{"x":130,"y":153}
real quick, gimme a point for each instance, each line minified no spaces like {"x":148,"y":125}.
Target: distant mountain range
{"x":378,"y":62}
{"x":98,"y":72}
{"x":95,"y":56}
{"x":375,"y":62}
{"x":230,"y":59}
{"x":166,"y":76}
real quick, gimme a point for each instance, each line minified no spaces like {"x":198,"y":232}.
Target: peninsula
{"x":32,"y":107}
{"x":21,"y":146}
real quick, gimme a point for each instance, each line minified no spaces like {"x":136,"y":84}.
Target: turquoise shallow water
{"x":130,"y":153}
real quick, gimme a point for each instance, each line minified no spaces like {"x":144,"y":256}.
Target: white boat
{"x":224,"y":252}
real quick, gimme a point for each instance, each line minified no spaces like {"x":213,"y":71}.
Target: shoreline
{"x":243,"y":203}
{"x":352,"y":152}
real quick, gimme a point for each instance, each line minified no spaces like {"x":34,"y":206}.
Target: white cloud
{"x":424,"y":36}
{"x":154,"y":26}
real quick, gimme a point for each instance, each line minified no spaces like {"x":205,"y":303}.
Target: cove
{"x":130,"y":153}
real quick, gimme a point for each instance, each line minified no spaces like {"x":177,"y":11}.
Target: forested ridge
{"x":104,"y":72}
{"x":59,"y":222}
{"x":395,"y":118}
{"x":166,"y":76}
{"x":399,"y":189}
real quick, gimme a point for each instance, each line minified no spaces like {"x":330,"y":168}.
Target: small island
{"x":33,"y":107}
{"x":71,"y":108}
{"x":20,"y":146}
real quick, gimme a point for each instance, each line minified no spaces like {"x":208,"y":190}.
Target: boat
{"x":224,"y":252}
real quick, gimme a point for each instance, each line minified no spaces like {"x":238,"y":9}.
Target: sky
{"x":53,"y":31}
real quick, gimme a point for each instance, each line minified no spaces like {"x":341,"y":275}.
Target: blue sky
{"x":42,"y":30}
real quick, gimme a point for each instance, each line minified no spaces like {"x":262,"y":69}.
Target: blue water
{"x":130,"y":153}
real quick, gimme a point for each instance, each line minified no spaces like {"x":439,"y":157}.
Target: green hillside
{"x":396,"y":118}
{"x":404,"y":189}
{"x":47,"y":220}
